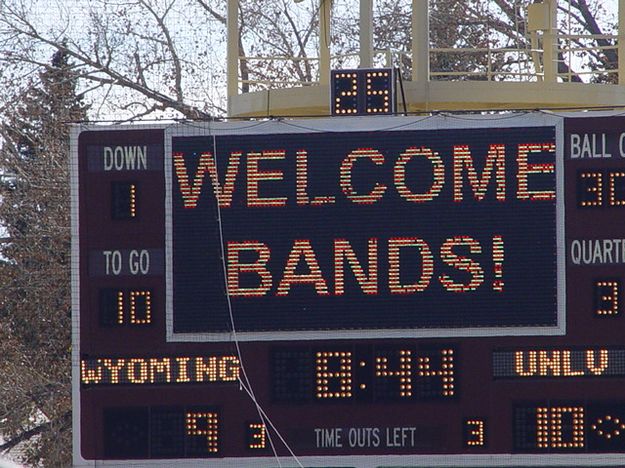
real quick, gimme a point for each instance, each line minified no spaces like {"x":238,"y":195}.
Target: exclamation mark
{"x":498,"y":263}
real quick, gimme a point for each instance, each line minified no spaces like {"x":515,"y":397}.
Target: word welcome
{"x":366,"y":160}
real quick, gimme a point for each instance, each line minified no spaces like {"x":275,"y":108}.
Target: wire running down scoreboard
{"x":350,"y":292}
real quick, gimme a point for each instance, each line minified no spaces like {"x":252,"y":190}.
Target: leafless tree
{"x":35,"y":326}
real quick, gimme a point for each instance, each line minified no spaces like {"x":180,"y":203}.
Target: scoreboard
{"x":350,"y":292}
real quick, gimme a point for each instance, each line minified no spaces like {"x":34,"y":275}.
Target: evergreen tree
{"x":35,"y":304}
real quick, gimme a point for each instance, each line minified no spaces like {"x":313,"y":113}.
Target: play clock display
{"x":350,"y":291}
{"x":362,"y":92}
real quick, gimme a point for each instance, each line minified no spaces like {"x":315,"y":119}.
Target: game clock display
{"x":363,"y":292}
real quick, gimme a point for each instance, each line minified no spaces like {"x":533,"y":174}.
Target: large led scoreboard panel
{"x":404,"y":291}
{"x":331,"y":232}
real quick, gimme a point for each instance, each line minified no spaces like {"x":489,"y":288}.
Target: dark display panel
{"x":583,"y":426}
{"x":362,"y":92}
{"x":161,"y":432}
{"x":383,"y":230}
{"x":550,"y":363}
{"x":163,"y":370}
{"x":363,"y":374}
